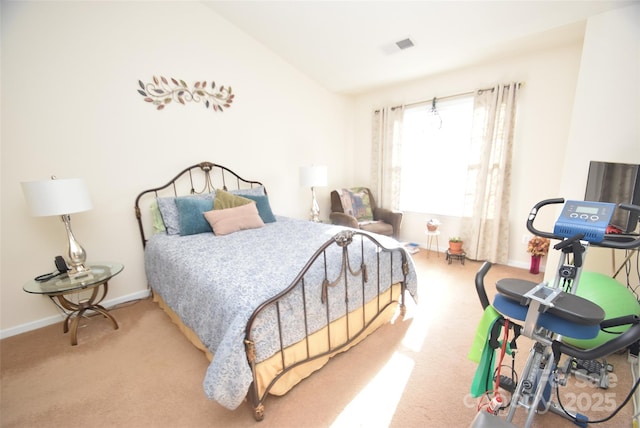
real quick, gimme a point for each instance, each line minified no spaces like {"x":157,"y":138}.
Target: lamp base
{"x":76,"y":253}
{"x":315,"y":208}
{"x":80,"y":272}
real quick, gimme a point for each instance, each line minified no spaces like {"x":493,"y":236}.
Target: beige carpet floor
{"x":413,"y":373}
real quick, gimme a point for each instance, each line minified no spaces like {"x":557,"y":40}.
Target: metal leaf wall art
{"x":163,"y":91}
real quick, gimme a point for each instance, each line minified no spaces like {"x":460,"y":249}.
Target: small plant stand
{"x":431,"y":235}
{"x":449,"y":256}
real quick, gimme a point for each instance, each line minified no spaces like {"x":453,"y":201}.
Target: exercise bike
{"x":550,"y":313}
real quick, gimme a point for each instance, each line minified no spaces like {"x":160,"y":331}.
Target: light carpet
{"x":413,"y":373}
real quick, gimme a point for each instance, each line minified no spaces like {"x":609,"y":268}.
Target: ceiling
{"x":349,"y":46}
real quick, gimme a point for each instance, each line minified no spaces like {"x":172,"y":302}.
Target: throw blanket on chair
{"x":355,"y":202}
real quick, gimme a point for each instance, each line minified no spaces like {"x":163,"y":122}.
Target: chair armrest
{"x":394,"y":218}
{"x":343,"y":219}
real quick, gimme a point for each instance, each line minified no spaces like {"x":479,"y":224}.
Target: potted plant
{"x":432,"y":224}
{"x":455,"y":245}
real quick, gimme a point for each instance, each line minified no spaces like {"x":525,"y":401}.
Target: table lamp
{"x":61,"y":197}
{"x":313,"y":176}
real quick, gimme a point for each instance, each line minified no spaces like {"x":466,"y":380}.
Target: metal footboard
{"x":365,"y":275}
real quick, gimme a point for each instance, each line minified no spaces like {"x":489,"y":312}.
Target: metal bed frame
{"x":201,"y":178}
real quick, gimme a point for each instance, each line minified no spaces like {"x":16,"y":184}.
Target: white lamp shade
{"x":313,"y":176}
{"x":57,"y":197}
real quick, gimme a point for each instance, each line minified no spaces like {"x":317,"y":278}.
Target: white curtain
{"x":485,"y":223}
{"x":386,"y":156}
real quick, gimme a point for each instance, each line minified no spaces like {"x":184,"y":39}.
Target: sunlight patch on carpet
{"x":429,"y":312}
{"x":376,"y":403}
{"x":416,"y":334}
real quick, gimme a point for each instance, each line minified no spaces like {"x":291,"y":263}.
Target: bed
{"x":269,"y":301}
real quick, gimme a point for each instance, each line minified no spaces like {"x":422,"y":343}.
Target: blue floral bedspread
{"x":214,"y":284}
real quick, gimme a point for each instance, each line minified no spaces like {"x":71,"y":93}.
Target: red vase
{"x":535,"y":264}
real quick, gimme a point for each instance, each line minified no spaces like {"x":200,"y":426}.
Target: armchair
{"x":356,"y":208}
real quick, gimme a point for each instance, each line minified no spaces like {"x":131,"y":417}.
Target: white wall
{"x":544,"y":113}
{"x":70,"y":107}
{"x":605,"y":125}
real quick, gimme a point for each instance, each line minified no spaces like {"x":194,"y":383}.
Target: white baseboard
{"x":517,"y":264}
{"x":34,"y":325}
{"x":511,"y":263}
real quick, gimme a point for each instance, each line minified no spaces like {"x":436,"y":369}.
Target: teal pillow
{"x":264,"y":209}
{"x":169,"y":210}
{"x":191,"y":215}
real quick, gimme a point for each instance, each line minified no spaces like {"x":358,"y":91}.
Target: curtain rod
{"x":446,"y":97}
{"x":462,"y":94}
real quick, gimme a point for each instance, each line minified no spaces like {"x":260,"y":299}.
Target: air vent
{"x":405,"y":44}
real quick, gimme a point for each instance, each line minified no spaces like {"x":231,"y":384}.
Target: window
{"x":435,"y":157}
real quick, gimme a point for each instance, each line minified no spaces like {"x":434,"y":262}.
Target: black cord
{"x":604,"y":330}
{"x":514,"y":379}
{"x":47,"y":276}
{"x":599,"y":421}
{"x":514,"y":374}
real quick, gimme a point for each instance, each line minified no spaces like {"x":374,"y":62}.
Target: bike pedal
{"x":591,"y":366}
{"x":507,"y":384}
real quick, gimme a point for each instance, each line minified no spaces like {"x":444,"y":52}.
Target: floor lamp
{"x":313,"y":176}
{"x":61,"y":197}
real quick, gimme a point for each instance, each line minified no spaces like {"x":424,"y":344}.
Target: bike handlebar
{"x":623,"y":320}
{"x":623,"y":341}
{"x":617,"y":241}
{"x":482,"y":293}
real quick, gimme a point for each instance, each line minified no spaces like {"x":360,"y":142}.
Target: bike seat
{"x":566,"y":306}
{"x":571,"y":315}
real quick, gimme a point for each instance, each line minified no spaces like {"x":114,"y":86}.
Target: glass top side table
{"x":97,"y":280}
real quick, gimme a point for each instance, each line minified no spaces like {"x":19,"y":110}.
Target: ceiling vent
{"x":404,"y":44}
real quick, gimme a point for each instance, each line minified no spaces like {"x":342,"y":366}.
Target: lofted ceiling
{"x":350,"y":46}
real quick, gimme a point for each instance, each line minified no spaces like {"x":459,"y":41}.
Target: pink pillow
{"x":229,"y":220}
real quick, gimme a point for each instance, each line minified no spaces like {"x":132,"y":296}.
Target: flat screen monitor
{"x":618,"y":183}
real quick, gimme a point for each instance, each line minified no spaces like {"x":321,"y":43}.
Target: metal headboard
{"x":200,"y":178}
